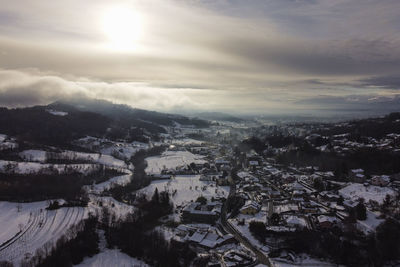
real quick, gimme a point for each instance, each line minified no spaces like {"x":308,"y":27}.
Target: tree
{"x":164,"y":198}
{"x":361,"y":210}
{"x":202,"y":200}
{"x":275,"y":218}
{"x":388,"y":236}
{"x":53,"y":205}
{"x":340,"y":200}
{"x":156,"y":197}
{"x":387,"y":202}
{"x":319,"y":185}
{"x":258,"y":230}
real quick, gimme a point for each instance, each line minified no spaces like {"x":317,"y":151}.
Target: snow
{"x":33,"y":155}
{"x":370,"y":224}
{"x":186,"y":188}
{"x":42,"y":156}
{"x":57,"y":113}
{"x":375,"y":193}
{"x":244,"y":231}
{"x":118,"y":209}
{"x":35,"y":167}
{"x":111,"y":257}
{"x":26,"y":227}
{"x":121,"y":150}
{"x":7,"y":143}
{"x":186,"y":141}
{"x":296,"y":221}
{"x":118,"y":180}
{"x":301,"y":260}
{"x":171,"y":160}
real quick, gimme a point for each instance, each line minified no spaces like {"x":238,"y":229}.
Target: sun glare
{"x":123,"y":28}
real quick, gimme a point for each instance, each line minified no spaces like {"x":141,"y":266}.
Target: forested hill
{"x":128,"y":115}
{"x":61,"y":122}
{"x":37,"y":125}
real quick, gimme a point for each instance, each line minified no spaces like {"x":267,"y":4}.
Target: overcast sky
{"x":228,"y":55}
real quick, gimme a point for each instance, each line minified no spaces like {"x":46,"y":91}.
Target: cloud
{"x":22,"y":89}
{"x":19,"y":88}
{"x":369,"y":102}
{"x":388,"y":82}
{"x":224,"y":54}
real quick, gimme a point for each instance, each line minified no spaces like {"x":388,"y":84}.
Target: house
{"x":326,"y":222}
{"x":208,"y":238}
{"x":253,"y":163}
{"x":250,"y":208}
{"x":329,"y":196}
{"x":207,"y":178}
{"x":285,"y":207}
{"x":296,"y":222}
{"x":380,"y":180}
{"x":196,"y":212}
{"x":357,"y":175}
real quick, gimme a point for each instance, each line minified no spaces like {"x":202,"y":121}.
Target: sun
{"x":122,"y":27}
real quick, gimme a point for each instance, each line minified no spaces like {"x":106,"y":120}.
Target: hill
{"x":61,"y":122}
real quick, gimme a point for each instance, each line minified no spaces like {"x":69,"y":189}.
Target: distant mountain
{"x":61,"y":122}
{"x":127,"y":115}
{"x":219,"y":116}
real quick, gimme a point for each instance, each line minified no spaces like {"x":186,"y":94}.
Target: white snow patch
{"x":186,"y":188}
{"x":57,"y":113}
{"x":118,"y":180}
{"x":26,"y":227}
{"x":111,"y":257}
{"x":172,"y":160}
{"x":35,"y":167}
{"x":42,"y":156}
{"x":370,"y":224}
{"x":374,"y":193}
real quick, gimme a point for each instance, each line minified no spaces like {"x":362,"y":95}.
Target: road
{"x":261,"y":257}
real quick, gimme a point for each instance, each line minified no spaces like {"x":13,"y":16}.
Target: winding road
{"x":227,"y":226}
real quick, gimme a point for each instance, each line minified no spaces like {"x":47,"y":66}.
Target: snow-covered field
{"x":303,"y":260}
{"x":186,"y":141}
{"x":171,"y":160}
{"x":370,"y":224}
{"x":36,"y":167}
{"x":119,"y":149}
{"x":116,"y":208}
{"x":118,"y":180}
{"x":111,"y":257}
{"x":42,"y":156}
{"x":375,"y":193}
{"x":7,"y":143}
{"x":26,"y":227}
{"x":186,"y":188}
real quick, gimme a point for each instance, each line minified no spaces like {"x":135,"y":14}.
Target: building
{"x":380,"y":180}
{"x":357,"y":175}
{"x":196,"y":212}
{"x":326,"y":221}
{"x":250,"y":208}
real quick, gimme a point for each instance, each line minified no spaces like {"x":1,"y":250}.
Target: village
{"x":284,"y":199}
{"x":234,"y":206}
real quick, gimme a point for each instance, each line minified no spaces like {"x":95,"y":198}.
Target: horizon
{"x":299,"y":115}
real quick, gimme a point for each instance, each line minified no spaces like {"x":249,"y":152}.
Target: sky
{"x":238,"y":56}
